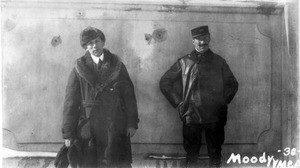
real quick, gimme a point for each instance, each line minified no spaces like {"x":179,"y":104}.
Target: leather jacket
{"x":201,"y":85}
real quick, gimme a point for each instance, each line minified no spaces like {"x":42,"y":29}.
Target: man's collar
{"x":197,"y":56}
{"x":96,"y":59}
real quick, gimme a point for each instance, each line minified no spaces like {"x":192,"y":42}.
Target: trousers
{"x":214,"y":136}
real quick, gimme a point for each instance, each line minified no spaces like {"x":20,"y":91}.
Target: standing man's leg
{"x":215,"y":136}
{"x":89,"y":153}
{"x":192,"y":142}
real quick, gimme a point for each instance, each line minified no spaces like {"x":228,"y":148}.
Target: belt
{"x":89,"y":103}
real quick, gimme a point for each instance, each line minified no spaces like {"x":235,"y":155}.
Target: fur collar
{"x":109,"y":71}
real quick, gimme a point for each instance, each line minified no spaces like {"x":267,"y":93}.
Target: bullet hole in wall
{"x":80,"y":14}
{"x":159,"y":35}
{"x":148,"y":38}
{"x":56,"y":41}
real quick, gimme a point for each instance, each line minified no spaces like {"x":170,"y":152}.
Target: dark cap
{"x":89,"y":34}
{"x":200,"y":31}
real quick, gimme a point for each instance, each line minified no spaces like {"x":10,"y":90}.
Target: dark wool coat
{"x":205,"y":85}
{"x":99,"y":106}
{"x":68,"y":156}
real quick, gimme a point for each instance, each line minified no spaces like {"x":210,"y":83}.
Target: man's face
{"x":95,"y":47}
{"x":201,"y":43}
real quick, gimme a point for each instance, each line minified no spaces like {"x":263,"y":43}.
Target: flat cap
{"x":200,"y":31}
{"x":89,"y":34}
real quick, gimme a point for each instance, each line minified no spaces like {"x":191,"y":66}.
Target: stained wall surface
{"x":41,"y":44}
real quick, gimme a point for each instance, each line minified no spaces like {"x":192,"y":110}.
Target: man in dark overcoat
{"x":201,"y":85}
{"x":100,"y":109}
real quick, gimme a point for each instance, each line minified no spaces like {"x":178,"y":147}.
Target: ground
{"x":139,"y":161}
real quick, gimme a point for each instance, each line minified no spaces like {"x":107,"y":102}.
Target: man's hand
{"x":188,"y":120}
{"x":68,"y":142}
{"x":131,"y":131}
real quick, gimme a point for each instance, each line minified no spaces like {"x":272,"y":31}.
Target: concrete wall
{"x":40,"y":42}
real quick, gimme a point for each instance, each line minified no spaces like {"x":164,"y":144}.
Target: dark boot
{"x":191,"y":160}
{"x":191,"y":164}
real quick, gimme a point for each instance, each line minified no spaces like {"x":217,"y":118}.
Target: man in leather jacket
{"x":201,"y":85}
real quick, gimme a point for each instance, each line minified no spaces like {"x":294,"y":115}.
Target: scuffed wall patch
{"x":28,"y":162}
{"x":9,"y":24}
{"x":184,"y":2}
{"x":133,"y":9}
{"x":47,"y":162}
{"x":266,"y":9}
{"x":159,"y":35}
{"x":56,"y":41}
